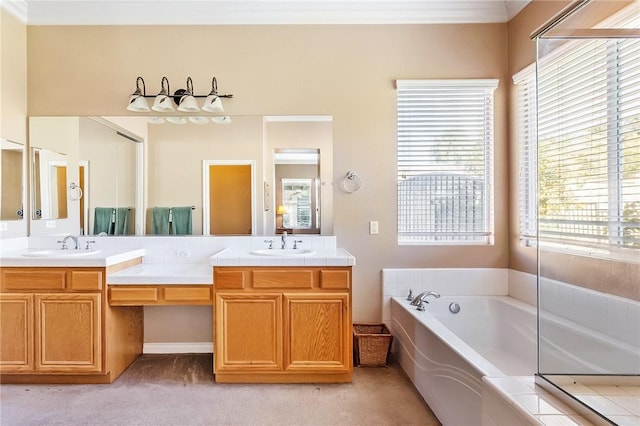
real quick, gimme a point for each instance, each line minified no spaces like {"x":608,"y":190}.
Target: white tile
{"x":603,"y":405}
{"x":629,"y":403}
{"x":539,"y":404}
{"x":625,"y":420}
{"x":608,"y":390}
{"x":562,"y":420}
{"x":632,"y":390}
{"x":512,"y":385}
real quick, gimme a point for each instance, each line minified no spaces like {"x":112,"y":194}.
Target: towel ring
{"x":74,"y":192}
{"x":351,"y":182}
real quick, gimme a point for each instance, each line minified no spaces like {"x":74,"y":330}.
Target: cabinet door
{"x":248,"y":332}
{"x":16,"y":332}
{"x":68,"y":333}
{"x":317,"y":332}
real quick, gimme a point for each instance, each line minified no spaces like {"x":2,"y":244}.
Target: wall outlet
{"x":4,"y":226}
{"x":50,"y":224}
{"x":373,"y":227}
{"x":183,"y":253}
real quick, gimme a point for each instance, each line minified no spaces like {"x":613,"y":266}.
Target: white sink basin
{"x":283,"y":252}
{"x":58,"y":253}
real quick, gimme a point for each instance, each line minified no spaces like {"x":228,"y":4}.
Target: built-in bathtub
{"x":446,"y":354}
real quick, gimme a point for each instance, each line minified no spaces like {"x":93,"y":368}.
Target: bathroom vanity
{"x":77,"y":317}
{"x":282,"y":324}
{"x":56,"y":327}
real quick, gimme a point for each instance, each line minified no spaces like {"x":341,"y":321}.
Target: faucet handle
{"x":88,"y":247}
{"x":295,"y":243}
{"x":410,"y":295}
{"x":64,"y":244}
{"x":270,"y":242}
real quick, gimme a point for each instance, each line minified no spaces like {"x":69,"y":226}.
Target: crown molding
{"x":17,"y":8}
{"x":269,"y":12}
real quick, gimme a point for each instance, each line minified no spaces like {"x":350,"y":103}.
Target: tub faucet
{"x":417,"y":301}
{"x":283,"y":245}
{"x":64,"y":242}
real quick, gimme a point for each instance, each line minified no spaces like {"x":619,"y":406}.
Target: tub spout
{"x":417,"y":301}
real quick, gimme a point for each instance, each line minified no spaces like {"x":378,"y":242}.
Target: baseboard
{"x":178,"y":348}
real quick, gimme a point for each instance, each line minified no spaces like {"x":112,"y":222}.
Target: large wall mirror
{"x":147,"y":177}
{"x":11,"y":181}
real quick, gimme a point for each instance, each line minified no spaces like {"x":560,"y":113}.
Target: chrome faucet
{"x":417,"y":301}
{"x":283,"y":245}
{"x":64,"y":242}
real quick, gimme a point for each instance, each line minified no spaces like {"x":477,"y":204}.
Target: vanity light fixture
{"x":187,"y":102}
{"x":213,"y":102}
{"x":137,"y":101}
{"x":185,"y":99}
{"x":163,"y":102}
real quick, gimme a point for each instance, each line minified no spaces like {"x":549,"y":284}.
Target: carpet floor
{"x":180,"y":390}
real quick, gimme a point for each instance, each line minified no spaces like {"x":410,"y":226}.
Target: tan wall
{"x":13,"y":81}
{"x":13,"y":96}
{"x":610,"y":277}
{"x":343,"y":71}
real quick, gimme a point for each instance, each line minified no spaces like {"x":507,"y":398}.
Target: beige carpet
{"x":179,"y":390}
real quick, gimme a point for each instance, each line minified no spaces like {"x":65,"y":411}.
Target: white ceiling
{"x":229,"y":12}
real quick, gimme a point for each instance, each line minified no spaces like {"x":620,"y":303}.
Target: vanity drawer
{"x":233,"y":279}
{"x":285,"y":278}
{"x":34,"y":279}
{"x":132,"y":296}
{"x":187,"y":295}
{"x":86,"y":280}
{"x":335,"y":279}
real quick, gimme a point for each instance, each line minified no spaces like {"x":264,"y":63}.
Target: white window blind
{"x":445,"y":161}
{"x":525,"y":82}
{"x":589,"y":144}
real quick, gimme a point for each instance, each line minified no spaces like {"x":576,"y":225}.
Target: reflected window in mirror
{"x":296,"y":199}
{"x":11,"y":178}
{"x":297,"y":170}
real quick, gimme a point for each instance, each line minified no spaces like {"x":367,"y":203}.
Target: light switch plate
{"x":373,"y":227}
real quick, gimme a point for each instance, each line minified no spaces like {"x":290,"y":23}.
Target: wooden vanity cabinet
{"x":55,"y":327}
{"x":285,"y":325}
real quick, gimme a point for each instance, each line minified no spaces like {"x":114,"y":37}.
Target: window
{"x":296,"y":197}
{"x":445,"y":161}
{"x":588,"y":147}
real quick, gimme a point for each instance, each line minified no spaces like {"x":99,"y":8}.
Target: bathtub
{"x":446,"y":355}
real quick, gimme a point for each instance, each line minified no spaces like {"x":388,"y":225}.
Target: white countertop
{"x":101,"y":258}
{"x":153,"y":273}
{"x":321,"y":257}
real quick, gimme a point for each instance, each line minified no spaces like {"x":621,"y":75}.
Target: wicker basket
{"x":371,"y":345}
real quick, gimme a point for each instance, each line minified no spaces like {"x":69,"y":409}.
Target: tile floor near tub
{"x":616,"y":398}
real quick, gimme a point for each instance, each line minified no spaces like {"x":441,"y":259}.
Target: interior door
{"x":230,"y":207}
